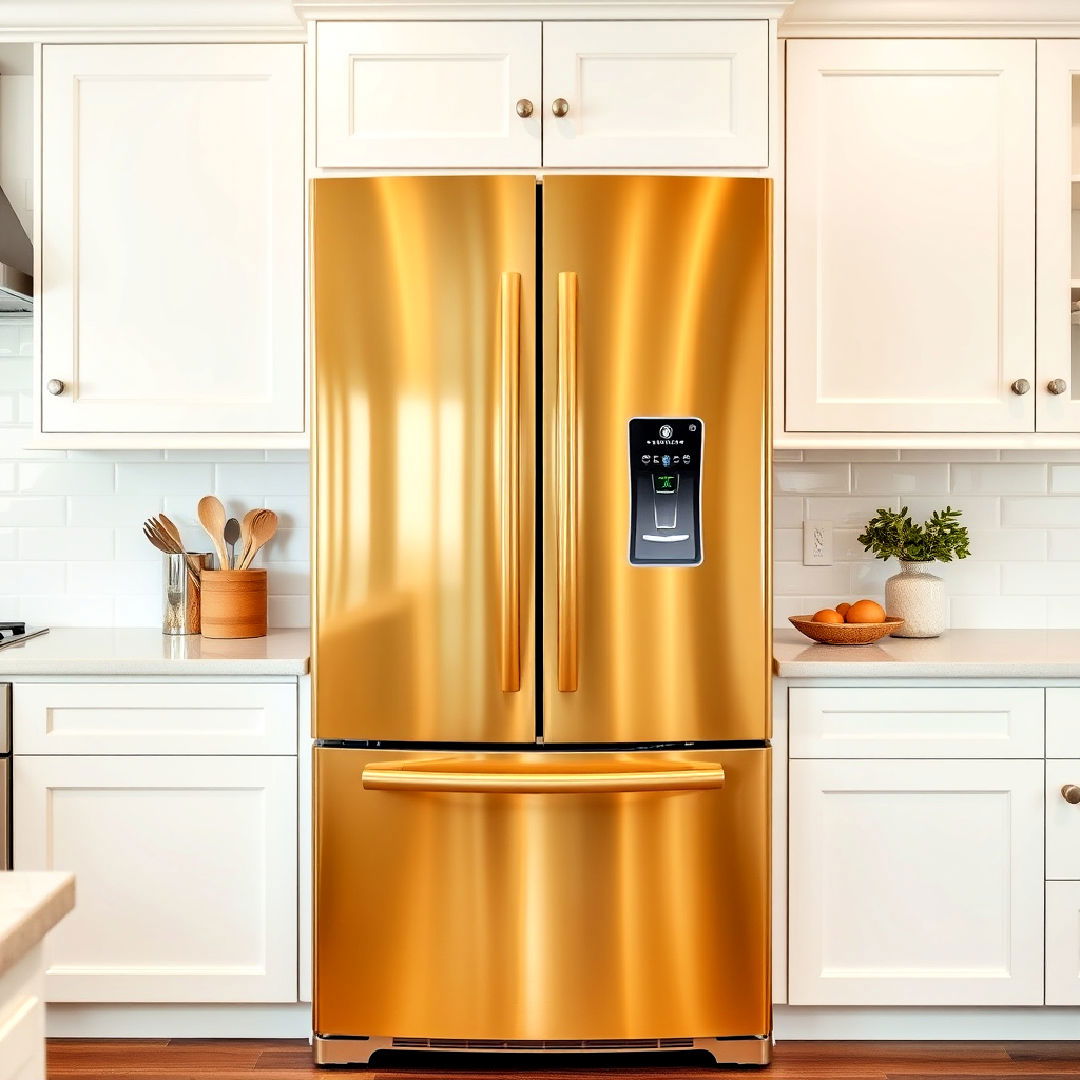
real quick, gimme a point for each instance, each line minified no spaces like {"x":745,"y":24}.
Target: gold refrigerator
{"x":542,"y":645}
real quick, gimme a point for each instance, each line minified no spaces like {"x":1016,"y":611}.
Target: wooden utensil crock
{"x":233,"y":603}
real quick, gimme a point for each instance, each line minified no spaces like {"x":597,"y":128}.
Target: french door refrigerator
{"x":541,"y":640}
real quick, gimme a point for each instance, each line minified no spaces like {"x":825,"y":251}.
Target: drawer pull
{"x":1071,"y":793}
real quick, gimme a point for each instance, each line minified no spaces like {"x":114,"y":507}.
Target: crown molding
{"x":932,"y":18}
{"x":141,"y":20}
{"x":330,"y":10}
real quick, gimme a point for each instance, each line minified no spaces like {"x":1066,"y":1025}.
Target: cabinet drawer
{"x":916,"y":722}
{"x":155,"y":718}
{"x":1062,"y":821}
{"x":1062,"y":722}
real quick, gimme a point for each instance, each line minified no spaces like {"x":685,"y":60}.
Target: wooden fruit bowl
{"x":845,"y":633}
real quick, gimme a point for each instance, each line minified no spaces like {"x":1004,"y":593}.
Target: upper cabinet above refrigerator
{"x":428,"y":94}
{"x":614,"y":94}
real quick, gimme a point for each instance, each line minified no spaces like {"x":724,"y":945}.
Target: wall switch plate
{"x":817,"y":543}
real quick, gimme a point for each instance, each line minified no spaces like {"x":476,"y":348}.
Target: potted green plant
{"x":915,"y":595}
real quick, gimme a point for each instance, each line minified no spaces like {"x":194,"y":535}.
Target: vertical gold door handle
{"x":509,"y":466}
{"x":566,"y":480}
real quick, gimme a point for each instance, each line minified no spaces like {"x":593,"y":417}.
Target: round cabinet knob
{"x":1057,"y":386}
{"x":1020,"y":386}
{"x":560,"y":106}
{"x":1071,"y":794}
{"x":524,"y":108}
{"x":55,"y":387}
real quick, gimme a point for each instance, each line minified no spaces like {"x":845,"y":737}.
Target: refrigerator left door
{"x":424,"y":341}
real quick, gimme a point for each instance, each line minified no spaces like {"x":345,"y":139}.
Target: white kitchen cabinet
{"x":186,"y":870}
{"x":1063,"y":943}
{"x":22,"y":1019}
{"x":910,"y":235}
{"x":172,"y":244}
{"x":656,"y":94}
{"x":1057,"y":282}
{"x":421,"y":94}
{"x":915,"y":882}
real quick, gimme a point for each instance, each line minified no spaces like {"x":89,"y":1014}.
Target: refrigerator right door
{"x":656,"y":302}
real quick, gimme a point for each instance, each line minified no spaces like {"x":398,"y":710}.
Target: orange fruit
{"x":828,"y":615}
{"x":842,"y":609}
{"x":865,"y":611}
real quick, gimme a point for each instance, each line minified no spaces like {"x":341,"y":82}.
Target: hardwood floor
{"x":198,"y":1059}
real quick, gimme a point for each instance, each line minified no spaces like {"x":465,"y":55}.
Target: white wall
{"x":72,"y":551}
{"x":1022,"y":508}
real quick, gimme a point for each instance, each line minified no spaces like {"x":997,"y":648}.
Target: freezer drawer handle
{"x":397,"y":775}
{"x":566,"y":478}
{"x":508,"y":464}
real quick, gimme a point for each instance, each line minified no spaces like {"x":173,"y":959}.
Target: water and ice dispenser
{"x":665,"y":490}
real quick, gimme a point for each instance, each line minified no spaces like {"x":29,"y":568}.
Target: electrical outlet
{"x":817,"y":543}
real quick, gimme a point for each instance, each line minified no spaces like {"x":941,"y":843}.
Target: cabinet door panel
{"x":1063,"y":943}
{"x":915,"y":883}
{"x":186,"y":871}
{"x":910,"y":235}
{"x":1057,"y":282}
{"x":657,"y":93}
{"x":423,"y":94}
{"x":1062,"y":822}
{"x":172,"y":261}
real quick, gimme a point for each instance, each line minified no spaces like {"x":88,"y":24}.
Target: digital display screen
{"x":665,"y":483}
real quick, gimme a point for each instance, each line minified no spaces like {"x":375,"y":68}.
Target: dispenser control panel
{"x":665,"y":490}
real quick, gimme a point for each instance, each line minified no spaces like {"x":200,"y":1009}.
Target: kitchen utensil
{"x":845,"y":633}
{"x":262,"y":530}
{"x":169,"y":535}
{"x":245,"y":533}
{"x":232,"y":534}
{"x":234,"y":603}
{"x":180,"y":594}
{"x":212,"y":519}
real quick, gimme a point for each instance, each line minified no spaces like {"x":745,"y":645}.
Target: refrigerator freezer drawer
{"x":542,"y":896}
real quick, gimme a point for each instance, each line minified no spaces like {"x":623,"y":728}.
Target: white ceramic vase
{"x":918,"y":597}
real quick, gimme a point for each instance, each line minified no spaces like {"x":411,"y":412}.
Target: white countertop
{"x":1034,"y":654}
{"x":31,"y":904}
{"x":149,"y":652}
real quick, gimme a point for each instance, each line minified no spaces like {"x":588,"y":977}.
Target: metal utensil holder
{"x":180,"y":593}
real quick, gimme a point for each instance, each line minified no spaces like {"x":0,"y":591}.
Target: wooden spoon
{"x":170,"y":527}
{"x":245,"y":535}
{"x":212,"y":518}
{"x":262,"y":531}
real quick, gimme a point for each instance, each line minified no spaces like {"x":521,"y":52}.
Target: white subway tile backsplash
{"x":9,"y":543}
{"x":850,"y":512}
{"x":997,"y":612}
{"x":1047,"y":579}
{"x":998,"y":479}
{"x":68,"y":542}
{"x":32,"y":510}
{"x":824,"y":478}
{"x":1062,"y":512}
{"x":1065,"y":479}
{"x":65,"y":477}
{"x":268,"y":478}
{"x":294,"y":545}
{"x":900,"y":479}
{"x":67,"y":610}
{"x":289,"y":611}
{"x":1025,"y":532}
{"x":164,"y":478}
{"x":287,"y":578}
{"x":112,"y":510}
{"x":31,"y":577}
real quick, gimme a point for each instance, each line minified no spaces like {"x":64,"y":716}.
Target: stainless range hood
{"x":16,"y":263}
